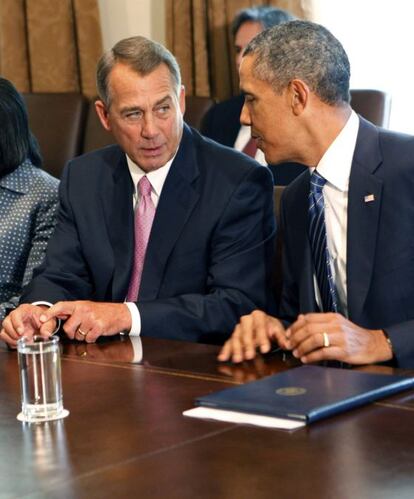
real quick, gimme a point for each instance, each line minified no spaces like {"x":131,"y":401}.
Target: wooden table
{"x":126,"y":436}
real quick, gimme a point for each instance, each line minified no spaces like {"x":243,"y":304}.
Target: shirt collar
{"x":19,"y":179}
{"x":335,"y":164}
{"x":156,"y":177}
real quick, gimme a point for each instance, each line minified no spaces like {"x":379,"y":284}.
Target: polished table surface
{"x":126,"y":436}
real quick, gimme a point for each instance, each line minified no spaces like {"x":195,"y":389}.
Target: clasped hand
{"x":311,"y":338}
{"x":84,"y":320}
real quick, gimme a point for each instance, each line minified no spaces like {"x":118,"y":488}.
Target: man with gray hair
{"x":195,"y":254}
{"x":347,"y":223}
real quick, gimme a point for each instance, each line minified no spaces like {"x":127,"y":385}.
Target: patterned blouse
{"x":28,"y":208}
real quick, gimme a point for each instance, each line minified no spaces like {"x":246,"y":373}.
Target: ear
{"x":181,"y":99}
{"x":299,"y":93}
{"x":102,"y":113}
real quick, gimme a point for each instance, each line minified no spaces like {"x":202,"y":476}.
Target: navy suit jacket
{"x":210,"y":245}
{"x":380,"y":240}
{"x":222,"y":124}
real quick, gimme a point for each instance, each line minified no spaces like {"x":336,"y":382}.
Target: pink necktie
{"x":144,"y":216}
{"x":250,"y":148}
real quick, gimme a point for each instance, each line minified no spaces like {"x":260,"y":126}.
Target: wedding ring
{"x":81,"y":332}
{"x":326,"y":342}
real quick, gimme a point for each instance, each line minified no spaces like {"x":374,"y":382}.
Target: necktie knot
{"x":316,"y":183}
{"x":144,"y":186}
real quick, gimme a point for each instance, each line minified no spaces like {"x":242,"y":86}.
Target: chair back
{"x":57,"y":120}
{"x":195,"y":108}
{"x":95,"y":134}
{"x":373,"y":105}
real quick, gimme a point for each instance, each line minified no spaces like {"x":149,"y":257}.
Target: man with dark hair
{"x":222,"y":121}
{"x":347,"y":223}
{"x":195,"y":254}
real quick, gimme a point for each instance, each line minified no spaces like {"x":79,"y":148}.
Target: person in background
{"x":222,"y":121}
{"x":166,"y":234}
{"x":347,"y":222}
{"x":28,"y":199}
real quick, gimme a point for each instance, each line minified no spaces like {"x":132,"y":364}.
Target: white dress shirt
{"x":243,"y":138}
{"x":335,"y":167}
{"x":157,"y":179}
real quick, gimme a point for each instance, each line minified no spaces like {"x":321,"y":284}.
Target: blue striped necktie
{"x":318,"y":243}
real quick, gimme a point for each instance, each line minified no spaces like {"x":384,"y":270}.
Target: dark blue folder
{"x":307,"y":393}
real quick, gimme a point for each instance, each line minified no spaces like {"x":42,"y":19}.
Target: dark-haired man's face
{"x":244,"y":36}
{"x":269,"y":115}
{"x":145,"y":115}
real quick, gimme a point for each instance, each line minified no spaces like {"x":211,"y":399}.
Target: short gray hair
{"x":303,"y":50}
{"x":141,"y":55}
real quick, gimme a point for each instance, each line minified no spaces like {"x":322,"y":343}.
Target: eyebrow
{"x":130,"y":109}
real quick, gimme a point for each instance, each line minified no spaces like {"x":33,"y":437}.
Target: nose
{"x":149,"y":128}
{"x":245,"y":116}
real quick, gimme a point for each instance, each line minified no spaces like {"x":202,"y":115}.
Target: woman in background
{"x":28,"y":199}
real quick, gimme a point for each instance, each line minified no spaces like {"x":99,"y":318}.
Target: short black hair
{"x":265,"y":15}
{"x":17,"y":143}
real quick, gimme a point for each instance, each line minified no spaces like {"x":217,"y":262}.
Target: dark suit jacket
{"x":222,"y":124}
{"x":380,"y":240}
{"x":209,"y":249}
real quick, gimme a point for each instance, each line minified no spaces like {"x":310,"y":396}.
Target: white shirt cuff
{"x":135,"y":319}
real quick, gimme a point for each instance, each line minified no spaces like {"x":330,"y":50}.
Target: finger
{"x":225,"y":352}
{"x":236,"y":346}
{"x":276,"y":332}
{"x":298,"y":324}
{"x":14,"y":323}
{"x":248,"y":329}
{"x":72,"y":325}
{"x":9,"y":330}
{"x":300,"y":334}
{"x":92,"y":336}
{"x":11,"y":342}
{"x":327,"y":353}
{"x":260,"y":330}
{"x":61,"y":309}
{"x":309,"y":344}
{"x":48,"y":328}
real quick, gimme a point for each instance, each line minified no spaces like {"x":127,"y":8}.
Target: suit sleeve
{"x":238,"y":274}
{"x":63,"y":274}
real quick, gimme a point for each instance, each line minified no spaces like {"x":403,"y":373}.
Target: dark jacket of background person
{"x":222,"y":124}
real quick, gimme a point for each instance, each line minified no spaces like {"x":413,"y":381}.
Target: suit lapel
{"x":364,"y":202}
{"x":118,"y":209}
{"x":307,"y":293}
{"x":175,"y":205}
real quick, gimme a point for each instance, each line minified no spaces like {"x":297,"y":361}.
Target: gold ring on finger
{"x":326,"y":342}
{"x":82,"y":332}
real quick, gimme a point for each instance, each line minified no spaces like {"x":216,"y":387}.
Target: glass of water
{"x":40,"y":379}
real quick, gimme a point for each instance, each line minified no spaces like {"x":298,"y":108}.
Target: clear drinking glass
{"x":40,"y":379}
